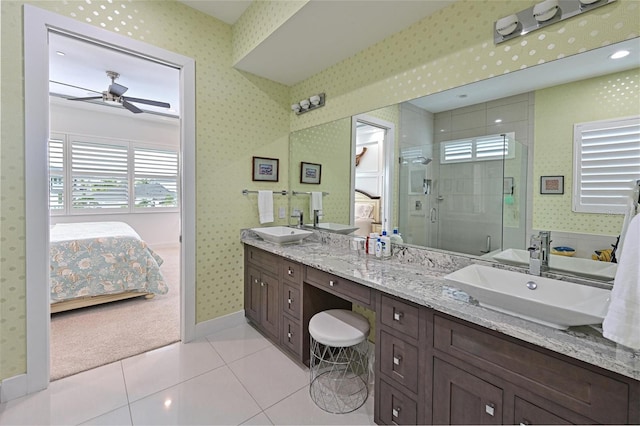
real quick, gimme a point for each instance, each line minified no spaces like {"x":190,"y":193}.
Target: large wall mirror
{"x":468,"y":161}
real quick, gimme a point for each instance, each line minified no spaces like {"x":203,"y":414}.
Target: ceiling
{"x":330,"y":35}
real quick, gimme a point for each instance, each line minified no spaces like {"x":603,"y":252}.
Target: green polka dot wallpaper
{"x":450,"y":48}
{"x":557,"y":109}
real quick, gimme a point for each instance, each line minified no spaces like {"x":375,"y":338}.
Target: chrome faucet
{"x":316,"y":216}
{"x":539,"y":250}
{"x":300,"y":217}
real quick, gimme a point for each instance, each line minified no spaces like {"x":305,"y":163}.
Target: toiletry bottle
{"x":373,"y":238}
{"x":396,"y":238}
{"x":378,"y":248}
{"x":386,"y":244}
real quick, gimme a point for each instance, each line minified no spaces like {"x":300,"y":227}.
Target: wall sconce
{"x":545,"y":13}
{"x":306,"y":105}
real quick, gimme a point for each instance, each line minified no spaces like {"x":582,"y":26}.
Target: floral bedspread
{"x":94,"y":258}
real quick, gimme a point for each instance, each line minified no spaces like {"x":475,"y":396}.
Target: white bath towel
{"x":622,"y":322}
{"x":265,"y":206}
{"x":315,"y":203}
{"x":629,"y":213}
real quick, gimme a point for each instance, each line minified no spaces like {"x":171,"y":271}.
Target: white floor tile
{"x":269,"y":375}
{"x":216,"y":397}
{"x":260,"y":419}
{"x":161,"y":368}
{"x":299,"y":409}
{"x":119,"y":417}
{"x":237,"y":342}
{"x":71,"y":400}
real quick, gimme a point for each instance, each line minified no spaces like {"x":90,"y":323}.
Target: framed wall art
{"x":310,"y":172}
{"x":552,"y":184}
{"x":265,"y":169}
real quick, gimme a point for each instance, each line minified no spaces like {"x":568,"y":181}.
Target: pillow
{"x":364,"y":210}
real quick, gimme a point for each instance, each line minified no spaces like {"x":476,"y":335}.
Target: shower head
{"x":422,"y":160}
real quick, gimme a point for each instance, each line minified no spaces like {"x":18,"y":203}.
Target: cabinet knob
{"x":524,"y":422}
{"x":397,"y":316}
{"x":289,"y":271}
{"x":397,"y":360}
{"x":490,"y":409}
{"x":395,"y":412}
{"x":331,"y":283}
{"x":290,"y":301}
{"x":289,"y":335}
{"x":262,"y":284}
{"x":255,"y":281}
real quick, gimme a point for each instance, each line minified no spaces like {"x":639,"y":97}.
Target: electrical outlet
{"x":281,"y":213}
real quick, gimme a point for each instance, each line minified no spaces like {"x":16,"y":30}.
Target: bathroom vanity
{"x":440,"y":358}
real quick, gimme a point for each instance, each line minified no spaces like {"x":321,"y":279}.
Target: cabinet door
{"x":269,"y":305}
{"x":396,"y":407}
{"x":252,"y":295}
{"x":527,"y":413}
{"x":462,"y":398}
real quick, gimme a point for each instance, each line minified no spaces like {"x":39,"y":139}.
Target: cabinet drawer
{"x":399,"y":361}
{"x":596,"y":396}
{"x":527,"y":413}
{"x":396,"y":407}
{"x":292,"y":272}
{"x":267,"y":261}
{"x":291,"y":335}
{"x":339,"y":286}
{"x":291,"y":303}
{"x":400,"y":316}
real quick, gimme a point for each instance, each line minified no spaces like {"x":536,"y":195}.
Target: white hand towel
{"x":622,"y":322}
{"x":315,"y":203}
{"x":629,"y":213}
{"x":265,"y":206}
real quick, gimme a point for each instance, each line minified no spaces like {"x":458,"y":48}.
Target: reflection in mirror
{"x":540,"y":106}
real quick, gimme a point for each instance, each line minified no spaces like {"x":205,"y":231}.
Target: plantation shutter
{"x":56,"y":174}
{"x":156,"y":178}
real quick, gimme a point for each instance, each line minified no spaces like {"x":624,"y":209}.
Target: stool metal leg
{"x":339,"y":376}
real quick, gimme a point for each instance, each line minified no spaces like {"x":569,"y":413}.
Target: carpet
{"x":86,"y":338}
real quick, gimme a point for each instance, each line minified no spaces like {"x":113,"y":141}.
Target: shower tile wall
{"x":473,"y":208}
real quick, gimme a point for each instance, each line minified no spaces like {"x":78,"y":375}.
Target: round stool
{"x":339,"y":360}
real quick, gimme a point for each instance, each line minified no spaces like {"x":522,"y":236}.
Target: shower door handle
{"x":433,"y":215}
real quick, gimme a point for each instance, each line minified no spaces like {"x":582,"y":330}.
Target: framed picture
{"x":507,"y":186}
{"x":552,"y":184}
{"x":265,"y":169}
{"x":310,"y":173}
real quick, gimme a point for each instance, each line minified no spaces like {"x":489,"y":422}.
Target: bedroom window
{"x":96,"y":175}
{"x":606,"y":164}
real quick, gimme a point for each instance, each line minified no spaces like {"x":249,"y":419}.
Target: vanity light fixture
{"x":546,"y":12}
{"x":311,"y":103}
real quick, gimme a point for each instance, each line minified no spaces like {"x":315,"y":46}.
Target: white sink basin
{"x":335,"y":227}
{"x":281,"y":234}
{"x":573,"y":265}
{"x":554,"y":303}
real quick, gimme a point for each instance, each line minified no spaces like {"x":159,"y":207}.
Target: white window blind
{"x":56,"y":174}
{"x":606,"y":164}
{"x":99,"y":176}
{"x":156,"y":178}
{"x":483,"y":148}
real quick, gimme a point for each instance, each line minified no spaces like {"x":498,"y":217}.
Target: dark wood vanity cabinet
{"x":262,"y":290}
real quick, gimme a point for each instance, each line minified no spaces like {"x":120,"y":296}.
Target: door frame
{"x":389,"y":150}
{"x":37,"y":25}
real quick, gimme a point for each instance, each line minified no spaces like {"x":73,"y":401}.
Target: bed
{"x":366,"y":212}
{"x":98,"y":262}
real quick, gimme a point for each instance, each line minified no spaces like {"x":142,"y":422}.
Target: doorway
{"x":37,"y":26}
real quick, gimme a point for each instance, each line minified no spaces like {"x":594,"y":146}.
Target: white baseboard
{"x":206,"y":328}
{"x":13,"y":387}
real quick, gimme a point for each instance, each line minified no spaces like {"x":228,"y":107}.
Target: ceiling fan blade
{"x":149,"y":102}
{"x":75,"y":87}
{"x":84,"y":99}
{"x":134,"y":109}
{"x":117,"y":89}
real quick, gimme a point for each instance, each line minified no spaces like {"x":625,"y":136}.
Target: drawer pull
{"x":397,"y":360}
{"x":289,"y":335}
{"x":290,"y":301}
{"x":262,"y":284}
{"x":289,"y":271}
{"x":255,"y":281}
{"x":525,"y":422}
{"x":489,"y":409}
{"x":397,"y":316}
{"x":331,"y":283}
{"x":395,"y":412}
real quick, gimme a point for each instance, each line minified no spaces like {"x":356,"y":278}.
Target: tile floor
{"x":232,"y":377}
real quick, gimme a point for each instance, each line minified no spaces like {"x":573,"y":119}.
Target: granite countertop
{"x":417,"y":275}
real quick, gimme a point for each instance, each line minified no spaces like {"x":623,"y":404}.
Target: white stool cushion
{"x":338,"y":328}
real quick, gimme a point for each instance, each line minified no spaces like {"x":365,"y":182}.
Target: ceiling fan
{"x":115,"y":93}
